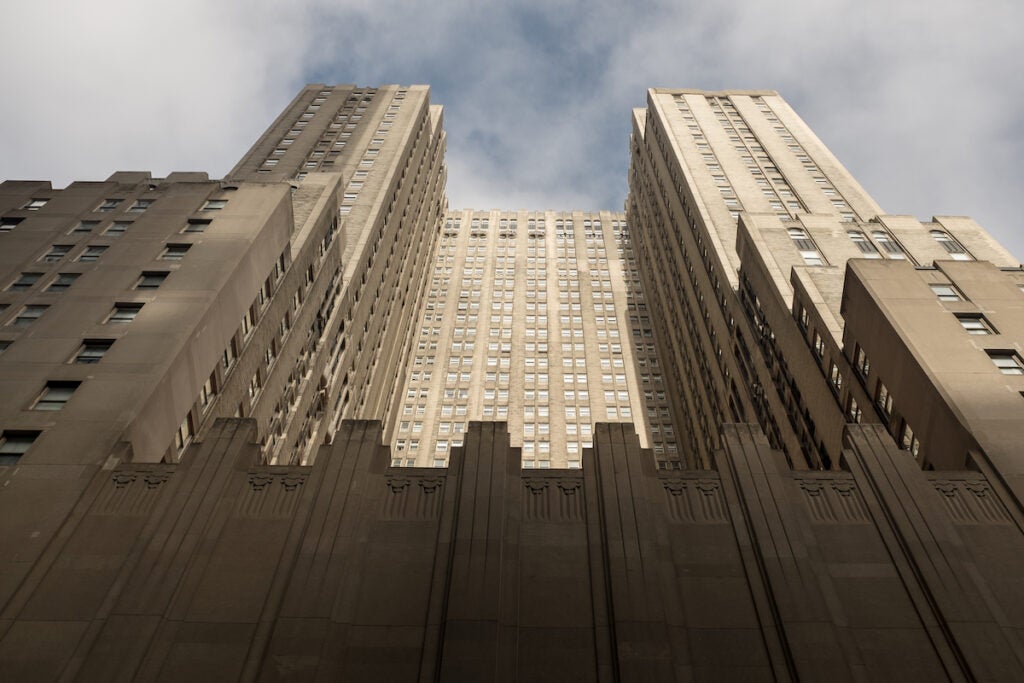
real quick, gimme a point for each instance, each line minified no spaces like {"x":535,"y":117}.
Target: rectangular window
{"x":56,"y":253}
{"x":218,"y":204}
{"x":946,"y":292}
{"x":35,"y":204}
{"x":819,"y":345}
{"x":109,"y":205}
{"x":24,"y":282}
{"x":55,"y":396}
{"x":835,"y":377}
{"x":124,"y":313}
{"x":29,"y":315}
{"x":151,"y":279}
{"x":974,"y":323}
{"x":883,"y":399}
{"x":141,"y":205}
{"x":861,"y":362}
{"x":92,"y":253}
{"x":14,"y":444}
{"x":63,"y":281}
{"x":908,"y":441}
{"x":117,"y":228}
{"x":197,"y":225}
{"x":175,"y":252}
{"x":1008,"y":362}
{"x":92,"y":351}
{"x":8,"y":224}
{"x":853,"y":413}
{"x":85,"y":227}
{"x":183,"y":436}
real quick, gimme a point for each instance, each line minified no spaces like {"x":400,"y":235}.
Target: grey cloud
{"x":920,"y":101}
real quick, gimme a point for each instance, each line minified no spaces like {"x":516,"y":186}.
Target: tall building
{"x":307,"y":422}
{"x":747,"y":223}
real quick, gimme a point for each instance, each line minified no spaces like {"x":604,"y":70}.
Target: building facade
{"x":307,"y":422}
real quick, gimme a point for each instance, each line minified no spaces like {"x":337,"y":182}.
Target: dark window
{"x":92,"y":350}
{"x":175,"y":252}
{"x":151,"y":280}
{"x":29,"y":315}
{"x":124,"y":313}
{"x":63,"y":281}
{"x":24,"y":282}
{"x":14,"y":444}
{"x":55,"y":396}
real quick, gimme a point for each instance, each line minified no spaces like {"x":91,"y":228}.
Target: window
{"x":151,"y":279}
{"x":35,"y":204}
{"x":183,"y":436}
{"x":197,"y":225}
{"x":8,"y":224}
{"x":92,"y":351}
{"x":29,"y":315}
{"x":218,"y":204}
{"x":861,"y":362}
{"x":908,"y":441}
{"x":4,"y":345}
{"x":14,"y":444}
{"x":109,"y":205}
{"x":974,"y":323}
{"x":946,"y":292}
{"x":808,"y":249}
{"x":55,"y":396}
{"x":952,"y":247}
{"x":863,"y":243}
{"x":92,"y":253}
{"x":124,"y":313}
{"x":141,"y":205}
{"x":1008,"y":362}
{"x":56,"y":253}
{"x":24,"y":282}
{"x":175,"y":252}
{"x":85,"y":227}
{"x":889,"y":245}
{"x":883,"y":399}
{"x":853,"y":413}
{"x":63,"y":281}
{"x":819,"y":345}
{"x":835,"y":377}
{"x":117,"y":228}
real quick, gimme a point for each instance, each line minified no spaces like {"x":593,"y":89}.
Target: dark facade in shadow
{"x":220,"y":569}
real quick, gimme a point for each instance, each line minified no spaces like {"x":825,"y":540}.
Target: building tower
{"x":747,"y":223}
{"x":307,"y":423}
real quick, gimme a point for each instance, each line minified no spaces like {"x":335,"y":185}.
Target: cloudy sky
{"x":922,"y":101}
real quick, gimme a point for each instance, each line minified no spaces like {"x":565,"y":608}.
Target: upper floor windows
{"x":1008,"y":362}
{"x":14,"y":444}
{"x":946,"y":292}
{"x":952,"y":247}
{"x":124,"y":313}
{"x":109,"y":205}
{"x":151,"y":279}
{"x":25,"y":281}
{"x":974,"y":323}
{"x":197,"y":225}
{"x":863,"y":243}
{"x":808,"y":249}
{"x":35,"y":204}
{"x":891,"y":247}
{"x":55,"y":396}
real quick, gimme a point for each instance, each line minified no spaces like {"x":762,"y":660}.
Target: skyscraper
{"x":308,"y":422}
